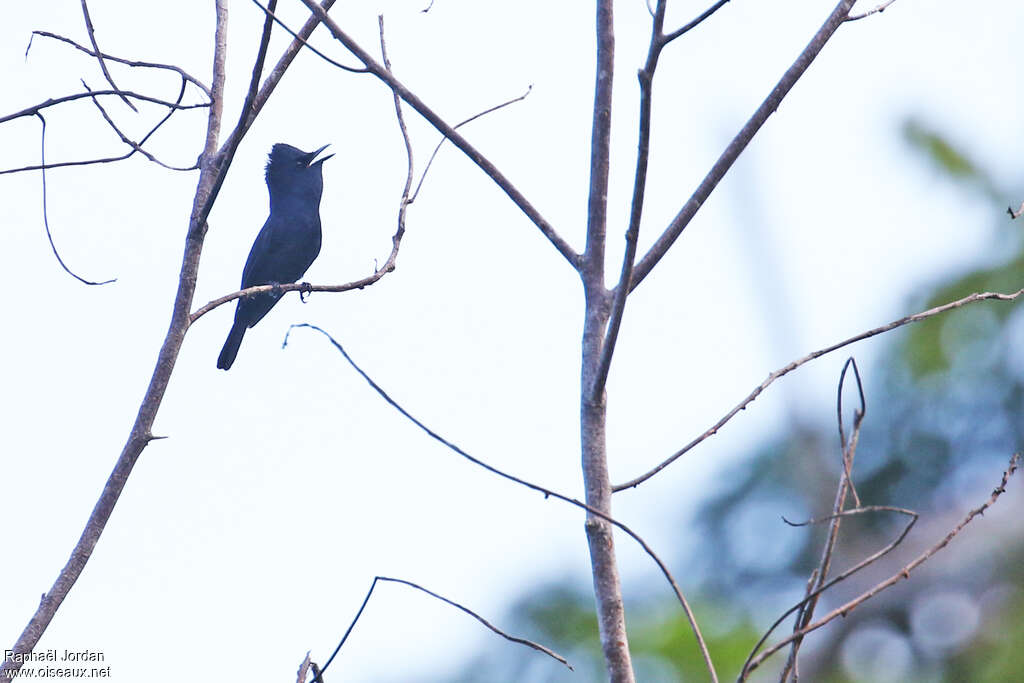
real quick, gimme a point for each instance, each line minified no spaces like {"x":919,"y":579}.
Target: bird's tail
{"x":230,"y":350}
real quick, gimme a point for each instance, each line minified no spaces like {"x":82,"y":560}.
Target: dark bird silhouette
{"x":289,"y":241}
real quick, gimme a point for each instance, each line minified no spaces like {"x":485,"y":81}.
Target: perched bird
{"x":288,"y":242}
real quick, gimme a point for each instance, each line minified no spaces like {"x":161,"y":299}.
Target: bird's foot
{"x":305,"y":289}
{"x":276,"y":291}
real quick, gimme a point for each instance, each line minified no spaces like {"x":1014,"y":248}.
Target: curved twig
{"x":127,"y":62}
{"x":696,"y":22}
{"x":458,"y":125}
{"x":46,"y":219}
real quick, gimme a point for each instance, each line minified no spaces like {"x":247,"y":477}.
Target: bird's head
{"x":290,"y":171}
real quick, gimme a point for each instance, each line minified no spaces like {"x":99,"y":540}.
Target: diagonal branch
{"x":739,"y":143}
{"x":460,"y":124}
{"x":435,"y":120}
{"x":785,"y":370}
{"x":141,"y":433}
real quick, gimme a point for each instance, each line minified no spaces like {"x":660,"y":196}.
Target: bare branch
{"x":248,"y":114}
{"x":54,"y":101}
{"x":141,"y":433}
{"x":303,"y":669}
{"x":845,"y":486}
{"x":137,"y":146}
{"x":646,"y":77}
{"x":128,"y":62}
{"x":426,"y":112}
{"x":515,"y":639}
{"x":46,"y":219}
{"x":904,"y":573}
{"x":547,"y":493}
{"x":611,"y":613}
{"x":271,"y":16}
{"x":877,"y":10}
{"x":739,"y":143}
{"x":458,"y":125}
{"x":785,"y":370}
{"x":871,"y":559}
{"x":99,"y":56}
{"x":696,"y":22}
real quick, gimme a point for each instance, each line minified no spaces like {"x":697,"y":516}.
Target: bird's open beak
{"x":312,"y":155}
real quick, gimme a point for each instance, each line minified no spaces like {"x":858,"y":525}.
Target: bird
{"x":289,"y":241}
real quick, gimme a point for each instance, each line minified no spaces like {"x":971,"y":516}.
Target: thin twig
{"x":137,"y":146}
{"x":435,"y":120}
{"x":696,"y":22}
{"x":54,"y":101}
{"x":271,"y":16}
{"x":127,"y":62}
{"x":492,"y":627}
{"x":848,"y":448}
{"x":904,"y":573}
{"x":46,"y":219}
{"x":458,"y":125}
{"x":785,"y":370}
{"x":845,"y":486}
{"x":739,"y":143}
{"x":547,"y":493}
{"x":99,"y":56}
{"x":877,"y":10}
{"x":871,"y":559}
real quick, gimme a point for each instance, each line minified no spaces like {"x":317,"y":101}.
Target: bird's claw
{"x":305,"y":289}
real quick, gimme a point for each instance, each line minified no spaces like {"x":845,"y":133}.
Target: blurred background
{"x":252,"y":533}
